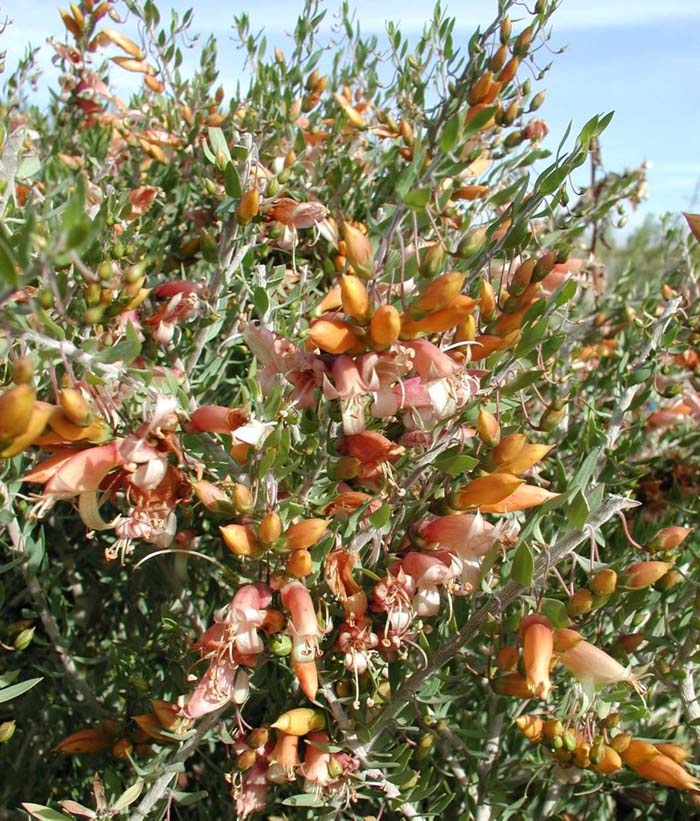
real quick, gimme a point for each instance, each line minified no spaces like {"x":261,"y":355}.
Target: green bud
{"x":24,"y":639}
{"x":7,"y":730}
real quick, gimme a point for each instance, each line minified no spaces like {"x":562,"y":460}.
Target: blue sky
{"x":640,"y":58}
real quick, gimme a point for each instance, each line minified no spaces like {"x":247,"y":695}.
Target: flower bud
{"x":355,"y":298}
{"x":249,"y":206}
{"x":305,"y":534}
{"x":24,"y":639}
{"x":213,"y":498}
{"x":531,"y":727}
{"x":270,"y":528}
{"x":15,"y":410}
{"x":507,"y":659}
{"x":7,"y":730}
{"x":544,"y":266}
{"x":621,"y":742}
{"x":582,"y":755}
{"x":240,"y":495}
{"x":512,"y":684}
{"x":509,"y":71}
{"x":499,"y":58}
{"x":333,"y":336}
{"x":643,"y":574}
{"x":580,"y":603}
{"x":436,"y":295}
{"x":300,"y":721}
{"x":22,"y":370}
{"x":669,"y":538}
{"x":240,"y":540}
{"x":604,"y":582}
{"x":669,"y":580}
{"x":385,"y":326}
{"x":471,"y":243}
{"x":122,"y":748}
{"x":487,"y":299}
{"x":488,"y":428}
{"x":299,"y":564}
{"x":522,"y":276}
{"x":358,"y":250}
{"x":245,"y":760}
{"x":553,"y":728}
{"x":485,"y":490}
{"x":551,"y":418}
{"x":281,"y":644}
{"x":508,"y":448}
{"x":431,"y":260}
{"x":631,"y":641}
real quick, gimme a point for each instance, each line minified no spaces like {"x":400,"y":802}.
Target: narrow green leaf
{"x":8,"y":266}
{"x":450,"y":134}
{"x":45,"y":813}
{"x":523,"y":566}
{"x":232,"y":181}
{"x":417,"y":199}
{"x":8,"y":693}
{"x":380,"y":517}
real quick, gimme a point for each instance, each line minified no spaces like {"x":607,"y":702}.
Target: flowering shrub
{"x":340,"y":474}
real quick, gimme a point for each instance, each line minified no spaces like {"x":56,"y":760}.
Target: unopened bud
{"x":507,"y":659}
{"x":621,"y":742}
{"x":245,"y":760}
{"x":553,"y":728}
{"x":241,"y":498}
{"x":24,"y":639}
{"x":299,"y":564}
{"x":580,"y":603}
{"x":358,"y":251}
{"x":488,"y":428}
{"x":270,"y":528}
{"x":431,"y":260}
{"x":7,"y":730}
{"x":644,"y":574}
{"x":669,"y":580}
{"x":669,"y":538}
{"x":487,"y":300}
{"x":258,"y":738}
{"x":385,"y":326}
{"x":22,"y":370}
{"x":249,"y":206}
{"x":354,"y":297}
{"x":75,"y":407}
{"x":604,"y":582}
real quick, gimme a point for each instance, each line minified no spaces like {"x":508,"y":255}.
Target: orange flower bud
{"x":270,"y":528}
{"x":358,"y":250}
{"x":522,"y":276}
{"x":300,"y":721}
{"x":439,"y":321}
{"x":604,"y":582}
{"x":621,"y":742}
{"x":249,"y":206}
{"x":87,"y":741}
{"x":240,"y":495}
{"x":523,"y":498}
{"x":134,"y":66}
{"x":480,"y":88}
{"x":644,"y":574}
{"x":307,"y":675}
{"x":305,"y":534}
{"x":580,"y":603}
{"x":22,"y":370}
{"x":669,"y":538}
{"x":512,"y":684}
{"x":355,"y":298}
{"x":499,"y":58}
{"x":240,"y":540}
{"x":16,"y":405}
{"x":508,"y":448}
{"x":385,"y":326}
{"x":553,"y":728}
{"x":531,"y":727}
{"x":610,"y":762}
{"x":213,"y":498}
{"x":466,"y":330}
{"x":631,"y":641}
{"x":538,"y":645}
{"x":486,"y":490}
{"x":123,"y":42}
{"x":75,"y":407}
{"x":527,"y":457}
{"x":39,"y":416}
{"x":509,"y":70}
{"x":470,"y":192}
{"x":507,"y":659}
{"x":488,"y":428}
{"x":333,"y":336}
{"x":436,"y":295}
{"x":676,"y":752}
{"x":299,"y":564}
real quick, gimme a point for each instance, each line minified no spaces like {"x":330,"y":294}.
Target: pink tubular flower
{"x":587,"y":662}
{"x":463,"y":533}
{"x":304,"y":627}
{"x":223,"y":682}
{"x":316,"y":762}
{"x":282,"y":359}
{"x":350,"y":389}
{"x":251,"y":795}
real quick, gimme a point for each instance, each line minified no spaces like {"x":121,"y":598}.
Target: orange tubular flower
{"x":648,"y":762}
{"x":333,"y":336}
{"x":537,"y":636}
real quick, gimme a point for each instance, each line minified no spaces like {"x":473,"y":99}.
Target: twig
{"x":491,"y":749}
{"x":161,"y":785}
